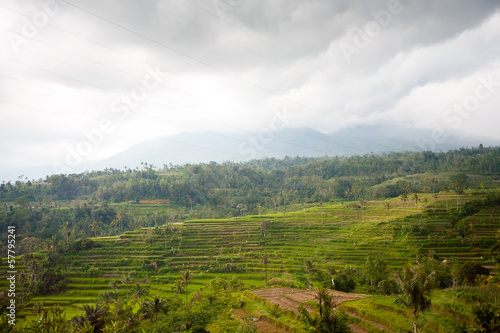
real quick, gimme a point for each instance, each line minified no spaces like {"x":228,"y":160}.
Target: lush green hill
{"x":337,"y":238}
{"x":197,"y":236}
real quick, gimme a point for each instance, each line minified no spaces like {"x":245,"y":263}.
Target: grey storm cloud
{"x":227,"y":64}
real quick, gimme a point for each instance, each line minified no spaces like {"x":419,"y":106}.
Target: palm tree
{"x":322,"y":294}
{"x":404,"y":197}
{"x":38,"y":308}
{"x":321,"y":212}
{"x":406,"y":188}
{"x":264,"y":259}
{"x":139,"y":292}
{"x":93,"y":315}
{"x":263,"y":227}
{"x":114,"y":224}
{"x":119,"y":219}
{"x":178,"y":286}
{"x":484,"y":316}
{"x":347,"y":194}
{"x":458,"y":184}
{"x":446,"y":188}
{"x":415,"y":197}
{"x":65,"y":231}
{"x":434,"y":182}
{"x":435,"y":195}
{"x":327,"y":321}
{"x":165,"y":232}
{"x":362,"y":203}
{"x":309,"y":266}
{"x":50,"y":244}
{"x":108,"y":296}
{"x":186,"y":277}
{"x":275,"y":312}
{"x":94,"y":227}
{"x":415,"y":291}
{"x":388,"y":206}
{"x":152,"y":307}
{"x":114,"y":285}
{"x":356,"y":192}
{"x":126,"y":279}
{"x":305,"y":212}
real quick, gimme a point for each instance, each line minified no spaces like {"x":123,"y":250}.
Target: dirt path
{"x":262,"y":325}
{"x":377,"y":325}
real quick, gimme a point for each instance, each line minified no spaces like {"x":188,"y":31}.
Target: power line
{"x":216,"y":68}
{"x":320,"y":138}
{"x":243,"y":47}
{"x":291,"y":57}
{"x":236,"y":96}
{"x":233,"y":95}
{"x":145,"y":115}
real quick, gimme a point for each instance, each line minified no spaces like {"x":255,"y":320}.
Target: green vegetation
{"x":419,"y":241}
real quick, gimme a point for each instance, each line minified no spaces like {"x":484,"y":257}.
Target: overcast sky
{"x":84,"y":80}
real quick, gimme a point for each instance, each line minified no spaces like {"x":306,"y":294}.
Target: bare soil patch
{"x":291,"y":299}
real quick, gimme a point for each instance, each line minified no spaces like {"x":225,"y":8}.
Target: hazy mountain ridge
{"x":206,"y":147}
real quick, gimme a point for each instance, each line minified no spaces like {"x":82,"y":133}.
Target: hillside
{"x":253,"y":246}
{"x":338,"y":239}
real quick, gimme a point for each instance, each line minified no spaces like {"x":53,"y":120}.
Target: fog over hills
{"x":206,"y":147}
{"x":187,"y":81}
{"x":219,"y":147}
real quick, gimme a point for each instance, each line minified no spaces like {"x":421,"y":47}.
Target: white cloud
{"x":229,"y":75}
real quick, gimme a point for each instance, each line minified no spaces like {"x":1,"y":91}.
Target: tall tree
{"x":446,"y":188}
{"x":94,"y":227}
{"x":388,"y":207}
{"x":139,"y":292}
{"x":347,"y":194}
{"x":263,"y":227}
{"x":362,"y":203}
{"x":186,"y":277}
{"x":434,"y":182}
{"x":264,"y":259}
{"x":327,"y":320}
{"x":275,"y":312}
{"x":151,"y":308}
{"x":415,"y":290}
{"x":309,"y":266}
{"x":65,"y":232}
{"x":305,"y":212}
{"x":404,"y":198}
{"x":178,"y":286}
{"x":459,"y":184}
{"x":95,"y":316}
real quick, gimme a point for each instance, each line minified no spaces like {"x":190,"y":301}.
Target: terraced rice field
{"x":332,"y":235}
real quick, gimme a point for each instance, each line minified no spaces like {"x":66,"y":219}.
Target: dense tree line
{"x":130,"y":308}
{"x":412,"y":286}
{"x":37,"y":228}
{"x":290,"y":178}
{"x":222,"y":190}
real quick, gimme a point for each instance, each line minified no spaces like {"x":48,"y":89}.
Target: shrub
{"x":469,"y":271}
{"x":82,"y":244}
{"x":94,"y":271}
{"x":344,"y":281}
{"x":123,"y":262}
